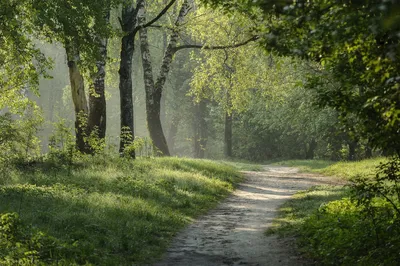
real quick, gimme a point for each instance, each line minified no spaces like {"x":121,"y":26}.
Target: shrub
{"x":363,"y":229}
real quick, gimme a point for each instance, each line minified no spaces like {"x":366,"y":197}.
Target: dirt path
{"x":233,"y":233}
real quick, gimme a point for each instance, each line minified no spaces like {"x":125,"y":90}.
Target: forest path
{"x":233,"y":233}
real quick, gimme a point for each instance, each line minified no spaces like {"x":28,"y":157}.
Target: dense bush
{"x":363,"y":229}
{"x":21,"y":244}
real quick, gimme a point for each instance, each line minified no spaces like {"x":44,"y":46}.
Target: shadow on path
{"x":233,"y":233}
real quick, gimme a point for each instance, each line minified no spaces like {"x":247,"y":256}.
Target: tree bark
{"x":153,"y":97}
{"x":368,"y":152}
{"x":352,"y":150}
{"x":97,"y":101}
{"x":78,"y":95}
{"x":200,"y":130}
{"x":154,"y":90}
{"x":173,"y":131}
{"x":228,"y":135}
{"x":311,"y":149}
{"x":128,"y":22}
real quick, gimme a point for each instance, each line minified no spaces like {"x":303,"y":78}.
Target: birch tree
{"x":130,"y":26}
{"x":83,"y":28}
{"x":185,"y":18}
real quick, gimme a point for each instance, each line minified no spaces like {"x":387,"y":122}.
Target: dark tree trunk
{"x":173,"y":131}
{"x":156,"y":131}
{"x":200,"y":129}
{"x":97,"y":100}
{"x":228,"y":135}
{"x":154,"y":89}
{"x":352,"y":150}
{"x":368,"y":152}
{"x":311,"y":149}
{"x":78,"y":95}
{"x":125,"y":75}
{"x":153,"y":98}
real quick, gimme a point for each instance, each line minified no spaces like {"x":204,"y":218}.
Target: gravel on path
{"x":233,"y":233}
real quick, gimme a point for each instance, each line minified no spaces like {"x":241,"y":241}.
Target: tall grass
{"x":111,"y":211}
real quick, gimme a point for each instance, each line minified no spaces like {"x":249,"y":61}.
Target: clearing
{"x":234,"y":232}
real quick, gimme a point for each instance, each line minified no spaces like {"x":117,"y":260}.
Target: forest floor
{"x":234,"y":232}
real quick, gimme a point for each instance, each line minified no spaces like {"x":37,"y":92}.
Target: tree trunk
{"x":368,"y":152}
{"x":78,"y":95}
{"x":128,"y":22}
{"x":153,"y":96}
{"x":97,"y":100}
{"x":228,"y":135}
{"x":352,"y":150}
{"x":311,"y":149}
{"x":154,"y":90}
{"x":200,"y":129}
{"x":173,"y":131}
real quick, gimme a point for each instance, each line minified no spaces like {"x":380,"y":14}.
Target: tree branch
{"x":218,"y":47}
{"x":151,"y":22}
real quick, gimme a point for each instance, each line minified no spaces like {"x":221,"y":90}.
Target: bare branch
{"x":218,"y":47}
{"x":151,"y":22}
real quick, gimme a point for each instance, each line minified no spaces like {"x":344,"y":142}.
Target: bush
{"x":24,"y":245}
{"x":363,"y":229}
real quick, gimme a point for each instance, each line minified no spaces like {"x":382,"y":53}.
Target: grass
{"x":332,"y":229}
{"x":111,"y":211}
{"x":243,"y":165}
{"x":303,"y":204}
{"x":294,"y":212}
{"x":344,"y":170}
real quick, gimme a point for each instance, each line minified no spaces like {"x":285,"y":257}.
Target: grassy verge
{"x":295,"y":212}
{"x":339,"y":225}
{"x":243,"y":165}
{"x":104,"y":211}
{"x":344,"y":170}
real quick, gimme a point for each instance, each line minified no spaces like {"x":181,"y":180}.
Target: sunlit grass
{"x":243,"y":165}
{"x":116,"y":212}
{"x":306,"y":165}
{"x":325,"y":222}
{"x":344,"y":170}
{"x":303,"y":204}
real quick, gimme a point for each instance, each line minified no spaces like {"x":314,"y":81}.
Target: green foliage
{"x":21,"y":63}
{"x":295,"y":212}
{"x":341,"y":232}
{"x":355,"y":44}
{"x":107,"y":212}
{"x":362,"y":228}
{"x":18,"y":138}
{"x":23,"y":245}
{"x":358,"y":53}
{"x":62,"y":144}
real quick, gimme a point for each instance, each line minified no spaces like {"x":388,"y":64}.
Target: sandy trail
{"x":233,"y":233}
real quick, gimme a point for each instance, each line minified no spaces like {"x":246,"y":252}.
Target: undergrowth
{"x":101,"y":210}
{"x":358,"y":224}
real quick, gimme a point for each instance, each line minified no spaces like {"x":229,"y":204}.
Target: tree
{"x":355,"y":41}
{"x":130,"y":26}
{"x":21,"y":62}
{"x":154,"y":89}
{"x":200,"y":127}
{"x":83,"y":28}
{"x":97,"y":120}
